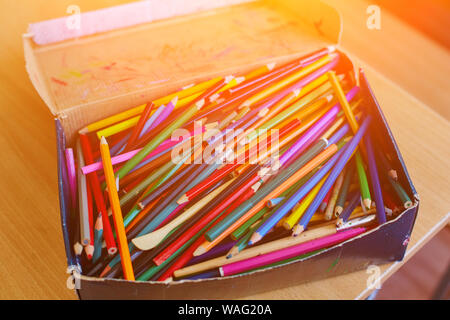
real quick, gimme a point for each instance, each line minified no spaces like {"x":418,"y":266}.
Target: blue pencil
{"x":374,"y":179}
{"x":273,"y":219}
{"x":355,"y":198}
{"x":350,"y":148}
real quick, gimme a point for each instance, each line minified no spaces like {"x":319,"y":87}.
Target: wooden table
{"x":32,"y":259}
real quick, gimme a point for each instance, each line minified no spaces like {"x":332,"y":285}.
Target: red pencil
{"x":138,"y":128}
{"x":248,"y":187}
{"x":99,"y":200}
{"x":189,"y":253}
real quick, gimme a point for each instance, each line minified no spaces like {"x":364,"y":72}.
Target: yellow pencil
{"x":296,"y":214}
{"x":362,"y":176}
{"x":186,"y":92}
{"x":127,"y":267}
{"x":286,"y":81}
{"x":129,"y":123}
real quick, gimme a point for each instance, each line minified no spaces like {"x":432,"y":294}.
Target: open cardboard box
{"x":120,"y":63}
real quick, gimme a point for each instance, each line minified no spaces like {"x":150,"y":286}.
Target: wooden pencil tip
{"x":183,"y":199}
{"x":393,"y":174}
{"x":254,"y":238}
{"x":297,"y":230}
{"x":78,"y":248}
{"x":331,"y":49}
{"x":339,"y":222}
{"x":83,"y":130}
{"x":367,"y":203}
{"x":199,"y":251}
{"x":174,"y":101}
{"x":229,"y":78}
{"x":234,"y":251}
{"x":103,"y":140}
{"x":270,"y":66}
{"x":337,"y":211}
{"x":240,"y":79}
{"x":89,"y":249}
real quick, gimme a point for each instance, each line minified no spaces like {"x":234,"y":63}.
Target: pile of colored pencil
{"x":231,"y":175}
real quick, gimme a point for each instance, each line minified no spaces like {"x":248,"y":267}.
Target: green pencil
{"x":401,"y":193}
{"x":363,"y":183}
{"x":340,"y":202}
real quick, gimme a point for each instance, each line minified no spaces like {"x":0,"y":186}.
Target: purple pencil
{"x":374,"y":179}
{"x":215,"y":252}
{"x":71,"y":173}
{"x":290,"y":252}
{"x":301,"y":226}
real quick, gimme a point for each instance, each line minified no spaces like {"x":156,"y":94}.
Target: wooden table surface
{"x":32,"y":259}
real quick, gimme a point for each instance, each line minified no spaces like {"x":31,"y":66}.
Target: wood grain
{"x":32,"y":259}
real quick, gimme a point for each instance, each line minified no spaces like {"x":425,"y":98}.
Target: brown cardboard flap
{"x":88,"y":78}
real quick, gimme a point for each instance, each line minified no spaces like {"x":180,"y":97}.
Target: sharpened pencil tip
{"x":183,"y":199}
{"x":174,"y":101}
{"x":297,"y":230}
{"x":83,"y":131}
{"x":103,"y":140}
{"x":105,"y":271}
{"x":270,"y":66}
{"x":199,"y":251}
{"x":254,"y":238}
{"x":367,"y":203}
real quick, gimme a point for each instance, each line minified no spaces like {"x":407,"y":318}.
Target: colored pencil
{"x":72,"y":176}
{"x":139,"y":126}
{"x":89,"y":248}
{"x":98,"y":236}
{"x":192,"y":90}
{"x":127,"y":267}
{"x":324,"y":203}
{"x":374,"y":179}
{"x":387,"y":166}
{"x":350,"y":148}
{"x":286,"y":81}
{"x":98,"y":196}
{"x":365,"y":192}
{"x":334,"y":195}
{"x":401,"y":193}
{"x":300,"y":208}
{"x":290,"y":252}
{"x":352,"y":203}
{"x":85,"y":233}
{"x":340,"y":202}
{"x":255,"y":251}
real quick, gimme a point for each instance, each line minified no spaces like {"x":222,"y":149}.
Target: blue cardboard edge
{"x":64,"y":200}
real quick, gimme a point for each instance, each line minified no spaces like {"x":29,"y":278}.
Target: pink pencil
{"x":128,"y":155}
{"x":286,"y":253}
{"x":71,"y":173}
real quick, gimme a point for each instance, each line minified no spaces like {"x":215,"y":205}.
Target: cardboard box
{"x":110,"y":69}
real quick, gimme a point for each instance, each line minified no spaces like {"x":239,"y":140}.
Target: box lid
{"x":123,"y":56}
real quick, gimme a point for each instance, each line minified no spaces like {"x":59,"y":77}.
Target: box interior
{"x":85,"y":79}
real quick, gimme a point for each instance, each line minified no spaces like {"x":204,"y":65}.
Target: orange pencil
{"x":127,"y":267}
{"x":138,"y":128}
